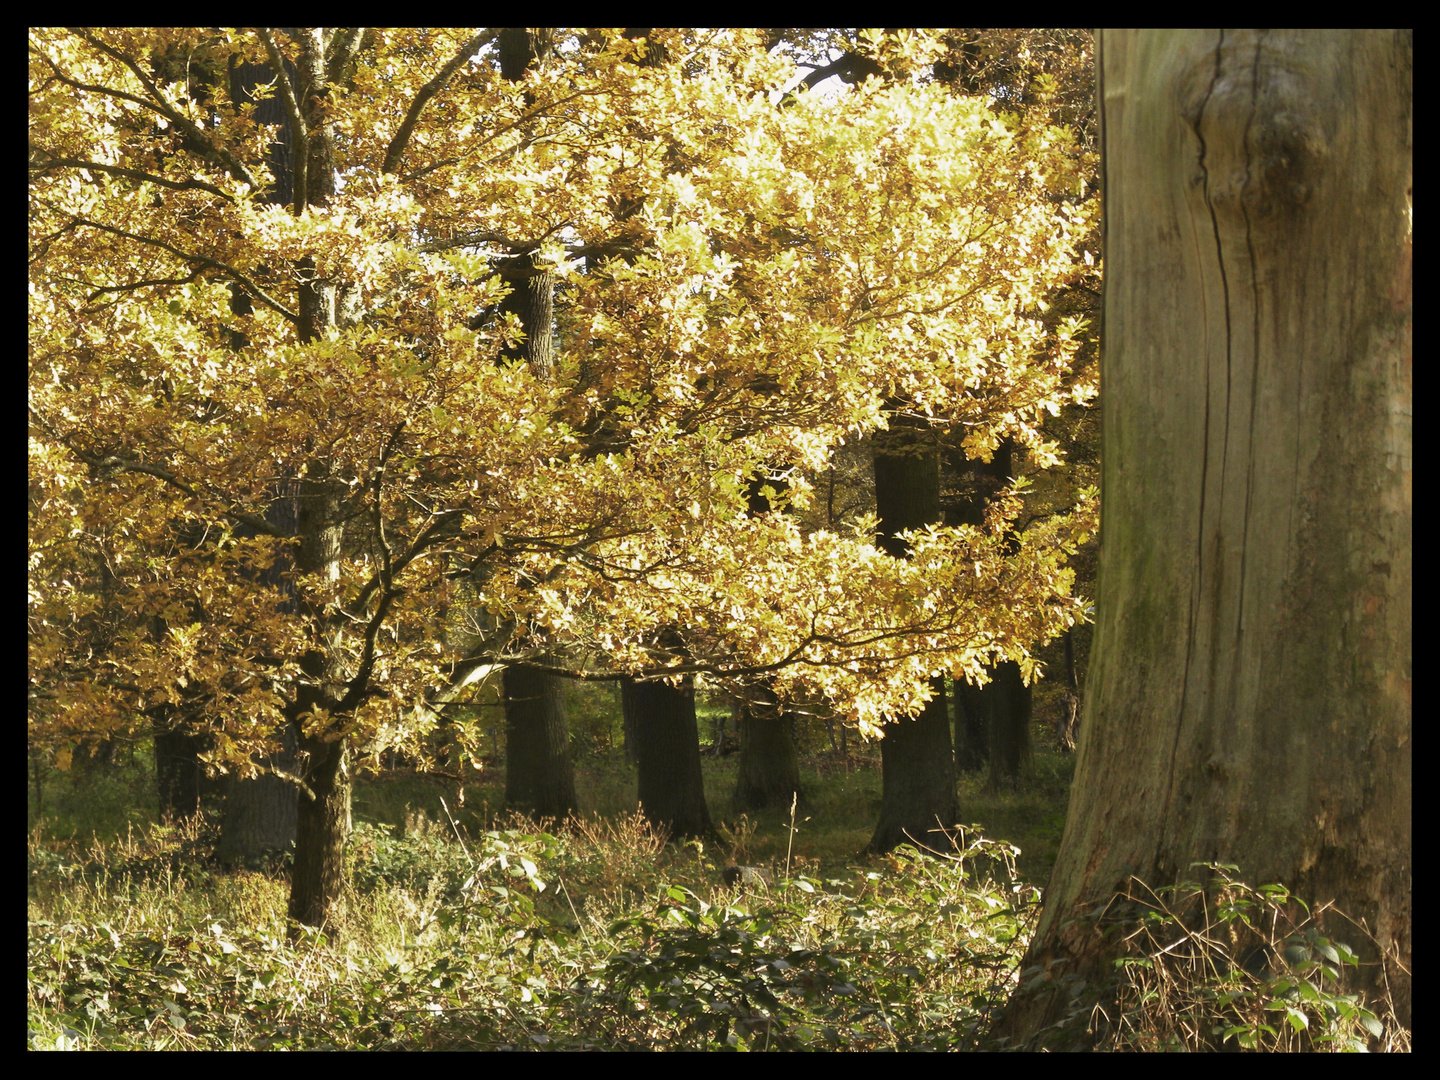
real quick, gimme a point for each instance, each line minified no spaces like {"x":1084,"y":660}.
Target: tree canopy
{"x":750,"y":274}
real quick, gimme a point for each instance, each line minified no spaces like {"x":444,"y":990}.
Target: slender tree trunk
{"x":1249,"y":696}
{"x":671,"y":784}
{"x":1068,"y":726}
{"x":322,"y":826}
{"x":769,"y":770}
{"x":917,"y":762}
{"x":632,"y":738}
{"x":539,"y":778}
{"x":323,"y":816}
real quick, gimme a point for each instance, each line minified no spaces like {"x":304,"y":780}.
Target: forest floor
{"x":465,"y":928}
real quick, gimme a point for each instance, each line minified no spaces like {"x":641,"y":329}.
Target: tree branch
{"x":396,"y":150}
{"x":160,"y":104}
{"x":205,"y":260}
{"x":133,"y":174}
{"x":343,"y":50}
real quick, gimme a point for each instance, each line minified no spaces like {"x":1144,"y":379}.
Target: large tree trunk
{"x":917,"y":772}
{"x":769,"y":770}
{"x":539,"y":777}
{"x":671,"y":784}
{"x":917,"y":762}
{"x":1250,"y":695}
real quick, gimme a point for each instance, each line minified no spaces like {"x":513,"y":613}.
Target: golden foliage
{"x":744,"y":278}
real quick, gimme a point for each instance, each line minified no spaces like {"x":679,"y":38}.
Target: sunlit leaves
{"x":742,"y":287}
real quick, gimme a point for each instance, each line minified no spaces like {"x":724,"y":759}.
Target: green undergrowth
{"x":600,"y":935}
{"x":597,"y":936}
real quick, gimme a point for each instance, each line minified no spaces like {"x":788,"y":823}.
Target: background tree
{"x":917,"y":764}
{"x":1046,"y":73}
{"x":539,"y":775}
{"x":671,"y":788}
{"x":1250,"y":696}
{"x":768,"y":771}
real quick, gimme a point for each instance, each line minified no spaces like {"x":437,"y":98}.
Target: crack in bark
{"x":1195,"y":591}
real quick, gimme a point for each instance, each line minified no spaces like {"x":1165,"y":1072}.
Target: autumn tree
{"x":742,"y":285}
{"x":1249,"y":700}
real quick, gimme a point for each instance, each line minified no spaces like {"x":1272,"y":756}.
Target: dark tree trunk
{"x":1249,"y":697}
{"x":917,"y":771}
{"x":322,"y":829}
{"x":972,"y":727}
{"x":539,"y":777}
{"x":997,"y":715}
{"x":1068,"y":726}
{"x":769,"y":770}
{"x":178,"y":773}
{"x":260,"y":814}
{"x":917,"y":762}
{"x":323,"y":818}
{"x":1012,"y":759}
{"x":671,"y":784}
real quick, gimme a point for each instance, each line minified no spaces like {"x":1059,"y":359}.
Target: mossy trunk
{"x":1249,"y":695}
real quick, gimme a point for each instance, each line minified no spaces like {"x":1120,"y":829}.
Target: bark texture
{"x":260,"y":814}
{"x":917,"y":762}
{"x":671,"y":785}
{"x":1249,"y":700}
{"x":323,"y":814}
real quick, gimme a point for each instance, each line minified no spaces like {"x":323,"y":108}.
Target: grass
{"x":595,"y":937}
